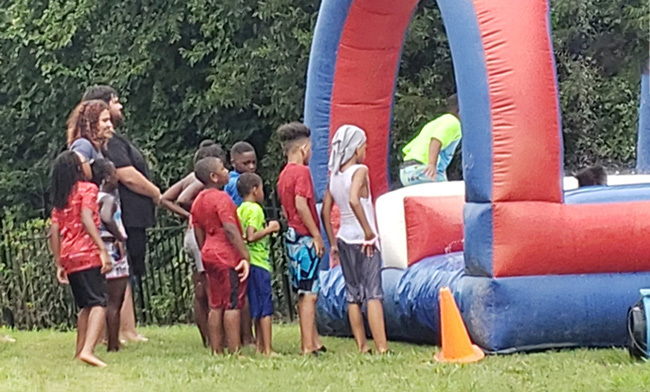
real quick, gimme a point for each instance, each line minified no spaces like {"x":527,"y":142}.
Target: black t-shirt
{"x":137,"y":210}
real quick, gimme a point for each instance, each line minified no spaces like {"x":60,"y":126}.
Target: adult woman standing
{"x":89,"y":127}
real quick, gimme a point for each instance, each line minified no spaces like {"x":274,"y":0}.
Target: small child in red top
{"x":223,"y":252}
{"x":79,"y":252}
{"x":304,"y":242}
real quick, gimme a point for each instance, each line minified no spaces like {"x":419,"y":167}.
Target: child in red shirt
{"x":223,"y":252}
{"x":79,"y":252}
{"x":304,"y":242}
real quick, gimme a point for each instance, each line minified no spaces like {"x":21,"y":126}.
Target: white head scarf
{"x":344,"y":145}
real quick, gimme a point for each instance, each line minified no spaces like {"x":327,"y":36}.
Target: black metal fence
{"x":30,"y":296}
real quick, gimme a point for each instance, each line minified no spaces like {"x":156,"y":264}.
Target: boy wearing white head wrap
{"x":356,"y":242}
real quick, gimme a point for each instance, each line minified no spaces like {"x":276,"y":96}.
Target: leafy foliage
{"x":235,"y":69}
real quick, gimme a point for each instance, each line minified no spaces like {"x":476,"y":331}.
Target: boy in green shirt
{"x":251,"y":218}
{"x":427,"y":156}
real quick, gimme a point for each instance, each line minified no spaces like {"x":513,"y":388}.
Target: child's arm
{"x":254,"y":235}
{"x":175,"y":208}
{"x":235,"y":238}
{"x":308,"y":220}
{"x":360,"y":182}
{"x":326,"y":215}
{"x":91,"y":229}
{"x":189,"y":194}
{"x":55,"y":246}
{"x":434,"y":151}
{"x":107,"y":208}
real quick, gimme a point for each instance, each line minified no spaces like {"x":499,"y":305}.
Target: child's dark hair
{"x":291,"y":133}
{"x":102,"y":92}
{"x":208,"y":148}
{"x":101,"y":169}
{"x":240,"y":148}
{"x":452,"y":104}
{"x":247,"y":182}
{"x":590,"y":176}
{"x":66,"y":172}
{"x":204,"y":168}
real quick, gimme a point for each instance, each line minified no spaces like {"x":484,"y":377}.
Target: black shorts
{"x":136,"y":249}
{"x":88,"y":287}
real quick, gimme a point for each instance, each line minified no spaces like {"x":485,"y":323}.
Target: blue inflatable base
{"x":502,"y":315}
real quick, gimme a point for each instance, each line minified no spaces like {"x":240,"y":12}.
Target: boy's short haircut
{"x":207,"y":149}
{"x":204,"y":168}
{"x":240,"y":148}
{"x":291,"y":133}
{"x":102,"y":92}
{"x":100,"y":169}
{"x":246,"y":183}
{"x":590,"y":176}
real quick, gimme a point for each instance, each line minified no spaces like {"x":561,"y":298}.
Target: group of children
{"x":228,"y":238}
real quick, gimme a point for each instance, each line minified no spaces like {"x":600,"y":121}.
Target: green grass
{"x":174,"y":360}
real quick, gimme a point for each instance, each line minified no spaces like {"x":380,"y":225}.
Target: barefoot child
{"x":224,"y":254}
{"x":79,"y":252}
{"x":303,"y":239}
{"x":113,"y":234}
{"x":251,"y":217}
{"x":182,"y":194}
{"x":356,"y":243}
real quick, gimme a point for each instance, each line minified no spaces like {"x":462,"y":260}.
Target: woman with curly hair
{"x":88,"y":129}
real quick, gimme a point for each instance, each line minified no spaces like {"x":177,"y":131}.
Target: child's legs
{"x":215,"y":323}
{"x":259,"y":343}
{"x":201,"y":305}
{"x":370,"y":270}
{"x":232,"y":324}
{"x":260,"y":298}
{"x":266,"y":331}
{"x":307,"y":314}
{"x":96,"y":318}
{"x":351,"y":259}
{"x":82,"y":325}
{"x":246,"y":324}
{"x":127,"y":315}
{"x":116,"y":289}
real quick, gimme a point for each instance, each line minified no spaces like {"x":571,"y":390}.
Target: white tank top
{"x":351,"y":231}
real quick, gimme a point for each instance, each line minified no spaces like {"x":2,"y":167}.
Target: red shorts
{"x":225,"y":289}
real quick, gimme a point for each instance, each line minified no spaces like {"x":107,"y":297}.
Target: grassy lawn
{"x":174,"y":360}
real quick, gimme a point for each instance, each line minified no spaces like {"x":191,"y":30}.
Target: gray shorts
{"x":192,"y":249}
{"x":362,"y":274}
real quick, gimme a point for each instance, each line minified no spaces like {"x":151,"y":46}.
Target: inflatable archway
{"x":536,"y":271}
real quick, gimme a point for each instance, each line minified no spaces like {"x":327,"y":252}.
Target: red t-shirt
{"x":78,"y":251}
{"x":295,"y":180}
{"x":210,"y":210}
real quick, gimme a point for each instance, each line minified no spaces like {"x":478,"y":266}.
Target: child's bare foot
{"x":365,"y":350}
{"x":92,"y":360}
{"x":272,"y":354}
{"x":136,"y":338}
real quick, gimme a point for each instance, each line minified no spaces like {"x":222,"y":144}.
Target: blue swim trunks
{"x":260,"y":295}
{"x":303,"y":263}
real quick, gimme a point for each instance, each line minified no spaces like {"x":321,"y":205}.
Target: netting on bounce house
{"x":532,"y":263}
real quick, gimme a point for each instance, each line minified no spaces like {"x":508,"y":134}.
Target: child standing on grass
{"x":79,"y":252}
{"x":223,"y":252}
{"x":113,"y":234}
{"x":251,"y":217}
{"x":356,"y":243}
{"x":303,"y":239}
{"x":243,"y":160}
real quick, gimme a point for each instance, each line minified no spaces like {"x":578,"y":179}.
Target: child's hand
{"x":431,"y":172}
{"x":369,"y":245}
{"x":274,"y":226}
{"x":319,"y":245}
{"x":120,"y":247}
{"x":243,"y":268}
{"x":61,"y":276}
{"x":335,"y":258}
{"x":107,"y":263}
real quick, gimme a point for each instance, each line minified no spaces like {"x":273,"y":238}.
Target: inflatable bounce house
{"x":532,"y":263}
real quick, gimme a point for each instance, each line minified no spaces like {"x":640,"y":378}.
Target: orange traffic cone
{"x":456,"y":346}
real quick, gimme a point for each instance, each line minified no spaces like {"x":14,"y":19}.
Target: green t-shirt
{"x":446,"y":129}
{"x":252,"y":214}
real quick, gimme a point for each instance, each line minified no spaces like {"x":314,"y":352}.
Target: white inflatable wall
{"x":390,"y":211}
